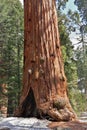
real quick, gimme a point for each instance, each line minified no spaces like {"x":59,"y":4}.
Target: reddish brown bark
{"x":4,"y":100}
{"x":45,"y":88}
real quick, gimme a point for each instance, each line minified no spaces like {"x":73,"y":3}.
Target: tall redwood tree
{"x":44,"y":91}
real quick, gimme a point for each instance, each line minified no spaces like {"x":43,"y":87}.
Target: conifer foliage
{"x":11,"y":49}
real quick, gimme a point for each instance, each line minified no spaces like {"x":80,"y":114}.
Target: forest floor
{"x":68,"y":125}
{"x":81,"y":124}
{"x":14,"y":123}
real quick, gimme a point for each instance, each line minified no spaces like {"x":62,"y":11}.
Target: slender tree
{"x":44,"y":90}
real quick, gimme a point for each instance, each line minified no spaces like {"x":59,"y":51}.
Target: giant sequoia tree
{"x":44,"y":92}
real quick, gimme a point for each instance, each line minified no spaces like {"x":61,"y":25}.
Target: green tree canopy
{"x":11,"y":49}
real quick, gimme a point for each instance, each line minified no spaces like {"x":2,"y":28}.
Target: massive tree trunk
{"x":44,"y":91}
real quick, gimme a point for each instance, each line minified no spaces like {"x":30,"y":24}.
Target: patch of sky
{"x":22,"y":1}
{"x":71,"y":6}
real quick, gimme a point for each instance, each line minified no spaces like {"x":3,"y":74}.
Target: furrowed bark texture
{"x":44,"y":91}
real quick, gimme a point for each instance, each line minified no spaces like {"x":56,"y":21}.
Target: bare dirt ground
{"x":75,"y":125}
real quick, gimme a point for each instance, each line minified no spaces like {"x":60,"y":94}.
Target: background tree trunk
{"x":3,"y":99}
{"x":45,"y":89}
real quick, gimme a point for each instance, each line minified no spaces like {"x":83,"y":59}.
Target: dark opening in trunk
{"x":29,"y":105}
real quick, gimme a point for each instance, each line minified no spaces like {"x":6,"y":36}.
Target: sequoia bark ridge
{"x":44,"y":92}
